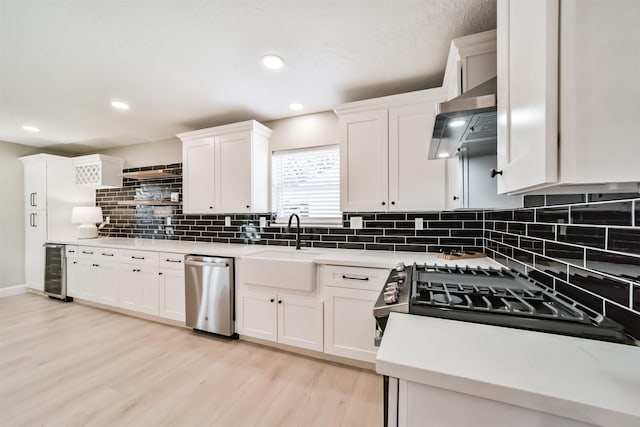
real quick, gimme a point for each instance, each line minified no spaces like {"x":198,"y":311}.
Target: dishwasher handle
{"x":207,"y":264}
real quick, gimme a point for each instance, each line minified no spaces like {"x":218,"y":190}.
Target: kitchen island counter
{"x":580,"y":379}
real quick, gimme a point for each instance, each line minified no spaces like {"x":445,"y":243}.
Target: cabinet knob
{"x":248,"y":206}
{"x":455,"y":197}
{"x":495,"y":172}
{"x":272,"y":300}
{"x":210,"y":207}
{"x":393,"y":203}
{"x":384,"y":203}
{"x":160,"y":273}
{"x":279,"y":301}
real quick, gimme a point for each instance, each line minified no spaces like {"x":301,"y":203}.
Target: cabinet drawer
{"x":71,"y":251}
{"x":88,"y":252}
{"x":353,"y":277}
{"x":172,"y":261}
{"x":139,"y":257}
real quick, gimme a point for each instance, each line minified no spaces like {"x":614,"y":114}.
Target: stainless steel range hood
{"x":466,"y":125}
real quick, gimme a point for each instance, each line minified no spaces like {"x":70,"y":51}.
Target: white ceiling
{"x":185,"y":65}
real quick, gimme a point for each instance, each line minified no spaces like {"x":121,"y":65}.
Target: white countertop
{"x":587,"y":380}
{"x":377,"y":259}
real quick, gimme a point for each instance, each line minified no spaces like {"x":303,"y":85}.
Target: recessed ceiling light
{"x":119,"y":105}
{"x":273,"y":62}
{"x":29,"y":128}
{"x":296,"y":107}
{"x":457,"y":123}
{"x":443,"y":155}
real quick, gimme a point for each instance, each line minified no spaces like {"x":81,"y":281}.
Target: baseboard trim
{"x":13,"y":290}
{"x":311,"y":353}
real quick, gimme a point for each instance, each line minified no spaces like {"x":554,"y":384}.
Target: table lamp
{"x":87,"y":217}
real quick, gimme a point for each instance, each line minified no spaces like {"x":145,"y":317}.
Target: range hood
{"x":466,"y":125}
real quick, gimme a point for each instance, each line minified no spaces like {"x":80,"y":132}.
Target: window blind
{"x":307,"y":182}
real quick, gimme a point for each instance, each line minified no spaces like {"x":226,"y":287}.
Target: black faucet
{"x":297,"y":229}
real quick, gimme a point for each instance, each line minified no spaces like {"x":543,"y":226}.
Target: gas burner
{"x":495,"y":296}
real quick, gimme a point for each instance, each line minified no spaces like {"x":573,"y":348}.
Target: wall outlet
{"x":227,"y":221}
{"x":419,"y":223}
{"x":355,"y":222}
{"x":263,"y":222}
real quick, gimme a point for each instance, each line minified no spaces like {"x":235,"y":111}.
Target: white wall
{"x":310,"y":130}
{"x":12,"y":213}
{"x":148,"y":153}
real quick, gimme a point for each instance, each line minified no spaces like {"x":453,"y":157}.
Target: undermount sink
{"x":288,"y":269}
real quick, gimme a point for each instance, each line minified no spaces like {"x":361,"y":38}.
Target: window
{"x":307,"y":182}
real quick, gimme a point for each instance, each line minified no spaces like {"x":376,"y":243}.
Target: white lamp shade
{"x":86,"y":214}
{"x":87,"y":217}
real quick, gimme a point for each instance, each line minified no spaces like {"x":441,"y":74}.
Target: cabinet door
{"x":35,"y":236}
{"x":72,"y":278}
{"x":86,"y":280}
{"x":35,"y":185}
{"x":105,"y":277}
{"x":258,"y":315}
{"x":453,"y":197}
{"x":415,"y":183}
{"x":138,"y":288}
{"x":527,"y":50}
{"x":300,"y":322}
{"x":233,"y":173}
{"x":172,"y":304}
{"x":198,"y":179}
{"x":364,"y":161}
{"x":349,"y":324}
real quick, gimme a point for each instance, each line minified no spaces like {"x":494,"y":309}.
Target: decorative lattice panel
{"x":88,"y":174}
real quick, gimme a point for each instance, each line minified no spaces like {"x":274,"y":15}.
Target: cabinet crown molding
{"x":399,"y":100}
{"x":249,"y":125}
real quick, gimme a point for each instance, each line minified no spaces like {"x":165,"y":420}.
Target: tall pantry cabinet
{"x":49,"y":196}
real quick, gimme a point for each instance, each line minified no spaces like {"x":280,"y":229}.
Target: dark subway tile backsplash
{"x":549,"y":239}
{"x":585,"y":246}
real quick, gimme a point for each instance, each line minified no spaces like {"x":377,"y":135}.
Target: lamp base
{"x":87,"y":231}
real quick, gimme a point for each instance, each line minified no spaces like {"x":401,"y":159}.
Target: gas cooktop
{"x":492,"y":296}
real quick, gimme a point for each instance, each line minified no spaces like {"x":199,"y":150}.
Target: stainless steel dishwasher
{"x":209,"y":294}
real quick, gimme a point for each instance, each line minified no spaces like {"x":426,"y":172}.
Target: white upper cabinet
{"x":527,"y":93}
{"x":566,"y":110}
{"x":226,"y":169}
{"x":364,"y":161}
{"x":198,"y":157}
{"x":98,"y":171}
{"x":35,"y":185}
{"x":384,"y":146}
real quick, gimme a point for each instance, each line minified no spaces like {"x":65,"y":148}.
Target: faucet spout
{"x":297,"y":229}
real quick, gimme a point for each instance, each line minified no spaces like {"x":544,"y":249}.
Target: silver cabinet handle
{"x":137,"y":257}
{"x":173,"y":260}
{"x":106,"y":254}
{"x":87,"y":252}
{"x":35,"y":219}
{"x":344,"y":276}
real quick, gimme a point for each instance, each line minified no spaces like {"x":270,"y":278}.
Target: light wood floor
{"x":71,"y":365}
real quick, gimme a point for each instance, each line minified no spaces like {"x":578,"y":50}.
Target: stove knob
{"x":399,"y":267}
{"x":391,"y":298}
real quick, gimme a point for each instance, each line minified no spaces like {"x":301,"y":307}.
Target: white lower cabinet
{"x":286,"y":319}
{"x":138,"y":288}
{"x":349,"y":295}
{"x":171,"y":276}
{"x":141,"y":281}
{"x":72,"y":271}
{"x":300,"y":322}
{"x":349,"y":324}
